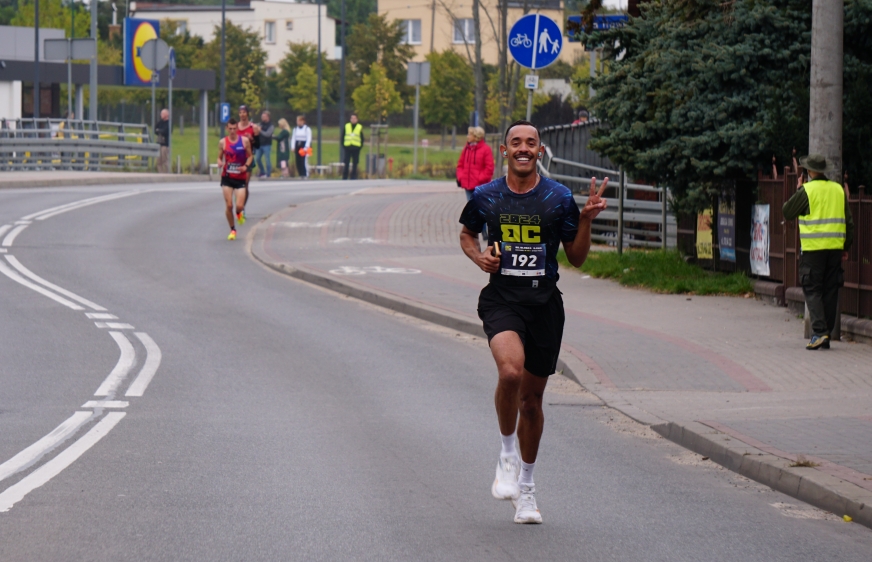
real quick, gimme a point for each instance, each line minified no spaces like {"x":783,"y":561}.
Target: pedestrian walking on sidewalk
{"x":301,"y":140}
{"x":352,"y":141}
{"x":826,"y":231}
{"x":283,"y":146}
{"x":528,"y":216}
{"x":265,"y":149}
{"x":162,"y":132}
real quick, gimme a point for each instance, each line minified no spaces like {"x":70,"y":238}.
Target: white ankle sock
{"x":508,"y":446}
{"x":526,"y":473}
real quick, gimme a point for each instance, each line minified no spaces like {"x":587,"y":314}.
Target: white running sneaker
{"x":525,"y":506}
{"x":505,"y":485}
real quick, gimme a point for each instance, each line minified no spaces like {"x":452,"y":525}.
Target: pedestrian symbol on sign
{"x":535,"y":41}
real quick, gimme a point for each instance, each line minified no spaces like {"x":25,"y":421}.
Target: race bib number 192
{"x":522,"y":260}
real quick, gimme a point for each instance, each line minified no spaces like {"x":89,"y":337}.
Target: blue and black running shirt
{"x":528,"y":228}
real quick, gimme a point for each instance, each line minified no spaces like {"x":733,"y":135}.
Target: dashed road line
{"x":105,"y":404}
{"x":114,"y":325}
{"x":122,"y":368}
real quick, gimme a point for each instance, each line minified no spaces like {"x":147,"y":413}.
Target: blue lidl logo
{"x":136,"y":33}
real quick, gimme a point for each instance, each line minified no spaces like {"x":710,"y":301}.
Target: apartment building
{"x":437,"y":25}
{"x":277,"y":21}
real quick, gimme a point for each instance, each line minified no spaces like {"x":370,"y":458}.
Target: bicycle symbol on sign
{"x":521,"y":39}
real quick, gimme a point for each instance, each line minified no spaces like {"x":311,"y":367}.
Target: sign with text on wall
{"x":704,"y":235}
{"x":760,"y":240}
{"x":727,"y":229}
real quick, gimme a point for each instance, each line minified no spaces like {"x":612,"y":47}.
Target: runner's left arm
{"x":248,"y":158}
{"x":221,"y":155}
{"x":578,"y":248}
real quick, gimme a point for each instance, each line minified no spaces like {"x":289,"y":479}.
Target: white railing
{"x":68,"y":144}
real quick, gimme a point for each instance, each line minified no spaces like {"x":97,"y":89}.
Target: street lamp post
{"x":319,"y":81}
{"x":223,"y":60}
{"x":342,"y":86}
{"x":36,"y":61}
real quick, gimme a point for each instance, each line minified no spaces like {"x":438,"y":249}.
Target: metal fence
{"x":66,"y":144}
{"x":636,"y":212}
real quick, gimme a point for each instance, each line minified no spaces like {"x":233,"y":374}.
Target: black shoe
{"x":818,"y":342}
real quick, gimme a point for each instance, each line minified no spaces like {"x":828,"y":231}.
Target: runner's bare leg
{"x":228,"y":204}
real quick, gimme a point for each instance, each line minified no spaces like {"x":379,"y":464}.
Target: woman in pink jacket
{"x":476,"y":164}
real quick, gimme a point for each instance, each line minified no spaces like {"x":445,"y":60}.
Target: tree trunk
{"x":504,"y":75}
{"x":442,"y":144}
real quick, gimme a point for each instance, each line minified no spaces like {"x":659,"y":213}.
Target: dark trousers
{"x":300,"y":160}
{"x":821,"y":276}
{"x":352,"y":158}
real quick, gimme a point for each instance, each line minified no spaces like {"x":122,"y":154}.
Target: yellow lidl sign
{"x":136,"y":33}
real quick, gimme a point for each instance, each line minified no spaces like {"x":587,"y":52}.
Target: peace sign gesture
{"x":595,"y":203}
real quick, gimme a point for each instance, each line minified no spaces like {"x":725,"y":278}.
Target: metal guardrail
{"x":629,"y":220}
{"x":68,"y":144}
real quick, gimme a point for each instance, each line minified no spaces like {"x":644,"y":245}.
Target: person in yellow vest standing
{"x":352,"y":141}
{"x":826,"y":231}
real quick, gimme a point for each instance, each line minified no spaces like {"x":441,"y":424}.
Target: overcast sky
{"x":615,"y":4}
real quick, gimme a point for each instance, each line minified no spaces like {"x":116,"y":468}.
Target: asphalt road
{"x":287,"y":423}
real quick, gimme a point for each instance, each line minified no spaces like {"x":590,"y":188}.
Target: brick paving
{"x":733,"y":361}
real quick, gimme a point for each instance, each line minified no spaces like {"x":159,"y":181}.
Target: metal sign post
{"x":172,"y":74}
{"x":417,"y":75}
{"x":155,"y":54}
{"x":69,"y":50}
{"x":535,"y":41}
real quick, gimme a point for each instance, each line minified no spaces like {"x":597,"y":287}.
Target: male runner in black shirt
{"x":527,"y":217}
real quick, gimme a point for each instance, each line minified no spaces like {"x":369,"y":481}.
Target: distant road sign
{"x":73,"y":49}
{"x":535,"y":41}
{"x":600,"y":23}
{"x":172,"y":63}
{"x":418,"y":74}
{"x":155,"y":54}
{"x":531,"y":81}
{"x":225,"y":112}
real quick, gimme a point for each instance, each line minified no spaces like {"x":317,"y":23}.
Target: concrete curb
{"x":97,"y":180}
{"x":807,"y":484}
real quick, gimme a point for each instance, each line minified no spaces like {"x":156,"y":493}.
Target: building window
{"x":269,"y":31}
{"x":181,"y":27}
{"x":270,"y":70}
{"x":289,"y":25}
{"x":464,"y":31}
{"x":411,"y":32}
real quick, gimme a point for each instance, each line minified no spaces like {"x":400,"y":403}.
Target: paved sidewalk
{"x":726,"y":377}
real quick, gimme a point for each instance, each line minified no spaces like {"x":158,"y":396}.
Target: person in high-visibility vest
{"x":352,"y":140}
{"x":826,"y":231}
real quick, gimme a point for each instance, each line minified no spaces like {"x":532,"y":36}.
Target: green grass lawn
{"x":438,"y":162}
{"x":660,"y":271}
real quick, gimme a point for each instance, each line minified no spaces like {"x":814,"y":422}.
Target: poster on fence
{"x":727,"y":229}
{"x":760,"y":240}
{"x":704,"y":235}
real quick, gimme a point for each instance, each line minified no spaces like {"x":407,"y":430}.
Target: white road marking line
{"x":5,"y":270}
{"x":152,"y":362}
{"x":52,"y":468}
{"x":125,"y":363}
{"x":2,"y":250}
{"x":114,"y":325}
{"x":105,"y":404}
{"x":10,"y":238}
{"x":100,"y":316}
{"x":22,"y":222}
{"x":33,"y":453}
{"x":4,"y":228}
{"x":27,"y":273}
{"x":47,"y":213}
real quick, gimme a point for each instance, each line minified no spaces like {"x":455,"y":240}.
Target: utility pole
{"x":223,"y":60}
{"x":36,"y":60}
{"x":825,"y":98}
{"x":342,"y":86}
{"x":319,"y":81}
{"x":92,"y":106}
{"x":432,"y":23}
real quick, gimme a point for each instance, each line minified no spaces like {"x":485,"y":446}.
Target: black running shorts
{"x":540,"y":327}
{"x":232,"y":182}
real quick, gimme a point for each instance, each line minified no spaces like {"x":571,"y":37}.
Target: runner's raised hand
{"x":595,"y":203}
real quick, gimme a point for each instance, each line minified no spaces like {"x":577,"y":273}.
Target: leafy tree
{"x":304,"y":91}
{"x":494,"y":102}
{"x":448,"y":99}
{"x":378,"y":40}
{"x":300,"y":54}
{"x":53,"y":15}
{"x":245,"y":62}
{"x":703,"y":91}
{"x":377,"y":96}
{"x":8,"y":8}
{"x":857,"y":121}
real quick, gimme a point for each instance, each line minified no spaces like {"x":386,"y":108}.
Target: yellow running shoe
{"x":232,"y":235}
{"x":240,"y":217}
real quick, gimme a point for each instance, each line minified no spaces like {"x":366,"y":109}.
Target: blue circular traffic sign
{"x":535,"y":41}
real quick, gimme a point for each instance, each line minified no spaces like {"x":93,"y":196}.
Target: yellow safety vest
{"x":823,"y":228}
{"x":352,"y":134}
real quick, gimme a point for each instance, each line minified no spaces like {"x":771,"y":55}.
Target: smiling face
{"x":522,"y":150}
